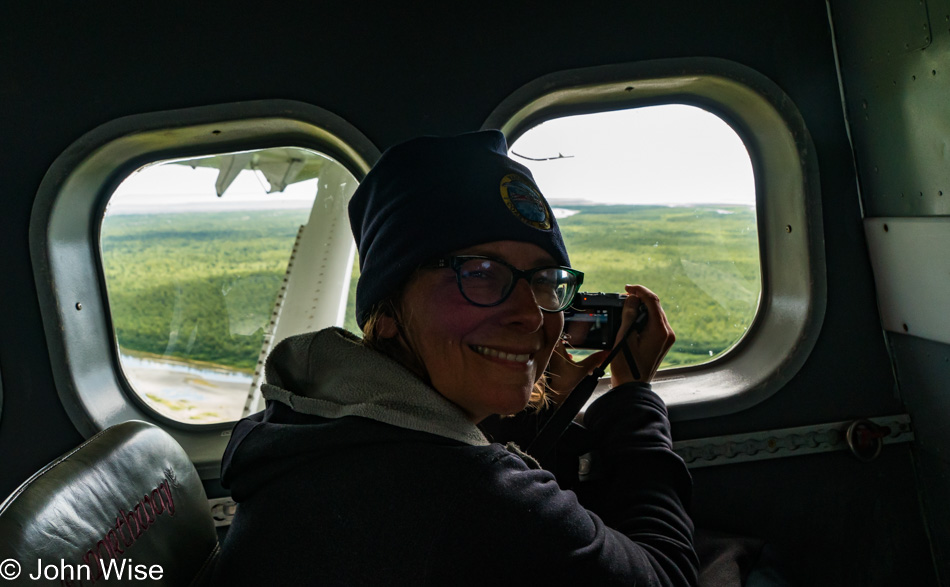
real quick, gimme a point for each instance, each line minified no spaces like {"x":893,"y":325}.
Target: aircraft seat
{"x":127,"y":505}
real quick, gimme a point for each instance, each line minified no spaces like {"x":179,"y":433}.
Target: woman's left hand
{"x":564,"y":373}
{"x":649,"y":346}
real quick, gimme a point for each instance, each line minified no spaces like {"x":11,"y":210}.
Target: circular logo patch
{"x":525,"y":202}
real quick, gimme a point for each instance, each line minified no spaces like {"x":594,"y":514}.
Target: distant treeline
{"x":201,"y":286}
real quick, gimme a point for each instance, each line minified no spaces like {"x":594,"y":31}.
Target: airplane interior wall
{"x":895,"y":58}
{"x":399,"y":71}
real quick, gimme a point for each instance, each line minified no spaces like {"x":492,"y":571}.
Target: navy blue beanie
{"x":430,"y":196}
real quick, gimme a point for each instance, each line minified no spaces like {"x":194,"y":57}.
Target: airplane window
{"x":194,"y":254}
{"x":663,"y":196}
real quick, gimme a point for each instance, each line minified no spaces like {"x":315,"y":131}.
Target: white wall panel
{"x":911,"y":261}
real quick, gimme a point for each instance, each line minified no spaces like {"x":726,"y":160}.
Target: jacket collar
{"x":330,"y":373}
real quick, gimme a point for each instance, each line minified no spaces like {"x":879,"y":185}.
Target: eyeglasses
{"x":485,"y":282}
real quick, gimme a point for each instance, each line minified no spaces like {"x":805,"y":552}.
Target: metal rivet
{"x":79,"y":305}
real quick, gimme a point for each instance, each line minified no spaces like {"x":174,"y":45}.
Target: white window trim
{"x":788,"y":208}
{"x":64,"y":242}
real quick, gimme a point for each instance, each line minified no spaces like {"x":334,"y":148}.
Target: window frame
{"x":788,"y":210}
{"x":65,"y":248}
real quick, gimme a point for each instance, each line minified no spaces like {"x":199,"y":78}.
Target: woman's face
{"x":485,"y":360}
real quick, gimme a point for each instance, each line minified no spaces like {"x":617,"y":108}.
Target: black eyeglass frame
{"x":455,"y":263}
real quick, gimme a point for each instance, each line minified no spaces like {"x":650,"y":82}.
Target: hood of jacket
{"x":325,"y":391}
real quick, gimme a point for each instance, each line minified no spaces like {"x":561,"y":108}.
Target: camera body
{"x":593,"y":320}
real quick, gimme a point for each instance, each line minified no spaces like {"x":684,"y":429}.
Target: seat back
{"x":125,"y":506}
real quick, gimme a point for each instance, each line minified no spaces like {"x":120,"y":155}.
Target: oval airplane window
{"x":663,"y":196}
{"x":195,"y":255}
{"x":728,"y":232}
{"x":195,"y":315}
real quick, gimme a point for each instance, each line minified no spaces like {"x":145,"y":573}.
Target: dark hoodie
{"x":357,"y":473}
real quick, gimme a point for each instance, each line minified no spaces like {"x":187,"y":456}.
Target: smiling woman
{"x":462,"y":286}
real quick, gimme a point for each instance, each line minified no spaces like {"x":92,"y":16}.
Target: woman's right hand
{"x":649,"y":346}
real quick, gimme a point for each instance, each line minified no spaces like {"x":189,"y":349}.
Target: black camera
{"x":593,"y":320}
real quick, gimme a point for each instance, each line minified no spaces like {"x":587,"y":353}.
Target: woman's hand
{"x":647,"y":347}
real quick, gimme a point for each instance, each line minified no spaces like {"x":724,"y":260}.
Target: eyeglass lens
{"x":487,"y":282}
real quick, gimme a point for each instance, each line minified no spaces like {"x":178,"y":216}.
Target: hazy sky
{"x":670,"y":154}
{"x":656,"y":155}
{"x":172,"y":186}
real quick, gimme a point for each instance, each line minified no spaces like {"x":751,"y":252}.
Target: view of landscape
{"x":196,"y":290}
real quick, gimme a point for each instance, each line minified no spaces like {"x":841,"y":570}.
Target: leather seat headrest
{"x":124,"y":501}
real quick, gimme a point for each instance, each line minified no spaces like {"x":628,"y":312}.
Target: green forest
{"x":201,"y":286}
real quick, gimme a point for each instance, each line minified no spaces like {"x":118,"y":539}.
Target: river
{"x":186,"y":392}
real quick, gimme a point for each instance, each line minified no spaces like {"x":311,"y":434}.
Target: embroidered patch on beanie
{"x":525,"y":201}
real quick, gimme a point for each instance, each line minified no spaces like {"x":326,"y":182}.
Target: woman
{"x":368,"y":466}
